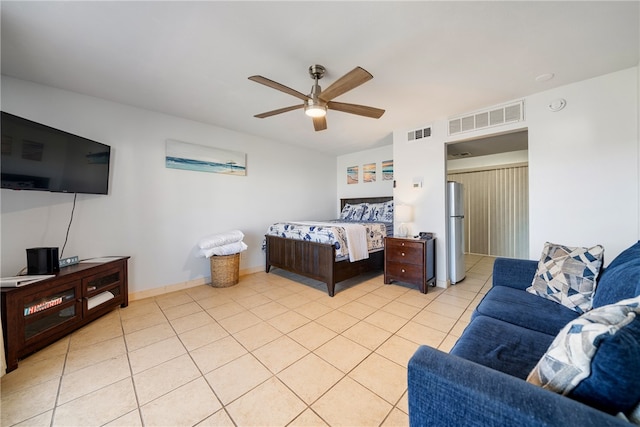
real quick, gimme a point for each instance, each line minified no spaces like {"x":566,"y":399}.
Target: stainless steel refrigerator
{"x":455,"y":209}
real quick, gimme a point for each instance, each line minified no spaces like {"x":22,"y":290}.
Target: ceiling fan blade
{"x":351,"y":80}
{"x":278,"y":111}
{"x":319,"y":123}
{"x":361,"y":110}
{"x":282,"y":88}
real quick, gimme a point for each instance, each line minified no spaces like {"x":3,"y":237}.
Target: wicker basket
{"x":225,"y":270}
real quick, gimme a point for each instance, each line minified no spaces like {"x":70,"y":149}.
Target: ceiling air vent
{"x":419,"y":134}
{"x":492,"y":117}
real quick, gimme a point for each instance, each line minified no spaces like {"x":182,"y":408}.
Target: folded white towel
{"x":220,"y":239}
{"x":229,"y":249}
{"x":356,"y":241}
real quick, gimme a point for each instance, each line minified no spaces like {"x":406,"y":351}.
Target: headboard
{"x":358,"y":200}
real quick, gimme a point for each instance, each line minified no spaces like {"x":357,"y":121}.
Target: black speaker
{"x":42,"y":261}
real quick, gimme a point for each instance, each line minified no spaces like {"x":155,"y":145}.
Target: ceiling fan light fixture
{"x":314,"y":108}
{"x":315,"y":111}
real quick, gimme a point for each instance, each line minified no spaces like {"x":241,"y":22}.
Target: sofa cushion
{"x":524,"y":309}
{"x":620,"y":279}
{"x":501,"y":346}
{"x":514,"y":273}
{"x":567,"y":275}
{"x":596,"y":358}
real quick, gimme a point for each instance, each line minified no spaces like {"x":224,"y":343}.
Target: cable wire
{"x":75,"y":195}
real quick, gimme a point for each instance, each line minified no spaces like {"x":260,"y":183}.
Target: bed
{"x":322,"y":261}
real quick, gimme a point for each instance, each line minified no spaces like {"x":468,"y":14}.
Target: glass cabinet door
{"x":42,"y":313}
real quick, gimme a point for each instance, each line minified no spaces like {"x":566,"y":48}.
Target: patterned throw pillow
{"x":373,"y":212}
{"x":568,"y":275}
{"x":387,"y":212}
{"x":596,"y":358}
{"x":353,"y":212}
{"x":346,"y":210}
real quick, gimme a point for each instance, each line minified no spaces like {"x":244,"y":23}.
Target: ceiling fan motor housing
{"x":317,"y":71}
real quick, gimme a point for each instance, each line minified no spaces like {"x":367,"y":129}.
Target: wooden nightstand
{"x":410,"y":260}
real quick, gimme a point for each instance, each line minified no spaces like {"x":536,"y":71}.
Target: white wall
{"x":154,"y":214}
{"x":583,"y":174}
{"x":424,"y":160}
{"x":364,"y":189}
{"x":584,"y":168}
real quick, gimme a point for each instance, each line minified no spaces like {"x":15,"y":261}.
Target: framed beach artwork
{"x":352,"y":175}
{"x":369,"y":172}
{"x":387,"y":170}
{"x":201,"y":158}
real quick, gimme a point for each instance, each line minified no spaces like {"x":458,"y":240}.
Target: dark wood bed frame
{"x":318,"y":260}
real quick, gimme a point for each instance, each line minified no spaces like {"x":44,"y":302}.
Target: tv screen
{"x":39,"y":157}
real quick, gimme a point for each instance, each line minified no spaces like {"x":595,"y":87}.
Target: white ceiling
{"x":430,"y":60}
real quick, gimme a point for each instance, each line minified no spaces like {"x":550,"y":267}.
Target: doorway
{"x":494,"y":171}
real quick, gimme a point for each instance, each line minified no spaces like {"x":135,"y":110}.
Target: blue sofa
{"x":482,"y":380}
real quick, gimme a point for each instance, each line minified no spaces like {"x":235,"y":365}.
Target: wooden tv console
{"x":40,"y":313}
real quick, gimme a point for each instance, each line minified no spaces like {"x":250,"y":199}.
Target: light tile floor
{"x":273,"y":350}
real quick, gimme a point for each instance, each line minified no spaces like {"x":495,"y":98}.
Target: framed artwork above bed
{"x":369,"y":172}
{"x":352,"y":175}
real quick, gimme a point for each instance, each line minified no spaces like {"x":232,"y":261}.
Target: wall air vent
{"x":419,"y":134}
{"x":491,"y":117}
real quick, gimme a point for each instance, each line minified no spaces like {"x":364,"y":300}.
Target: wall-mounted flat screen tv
{"x":39,"y":157}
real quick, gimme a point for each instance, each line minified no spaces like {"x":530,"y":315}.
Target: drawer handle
{"x":403,"y":270}
{"x":402,"y":253}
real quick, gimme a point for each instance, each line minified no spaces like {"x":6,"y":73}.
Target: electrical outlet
{"x":66,"y":262}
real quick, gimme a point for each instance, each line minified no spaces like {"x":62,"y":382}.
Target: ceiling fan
{"x":319,"y":101}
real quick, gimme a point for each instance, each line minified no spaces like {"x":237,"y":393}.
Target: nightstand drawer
{"x":404,"y":244}
{"x":410,"y":273}
{"x":407,"y":255}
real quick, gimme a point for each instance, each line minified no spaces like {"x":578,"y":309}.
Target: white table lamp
{"x":404,"y":214}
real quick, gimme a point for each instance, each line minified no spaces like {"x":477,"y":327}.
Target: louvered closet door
{"x":496,"y":211}
{"x":509,"y":213}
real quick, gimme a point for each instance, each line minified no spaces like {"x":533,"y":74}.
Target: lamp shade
{"x":404,"y":213}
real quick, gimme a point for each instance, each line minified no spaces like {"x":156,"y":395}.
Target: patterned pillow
{"x":366,"y":213}
{"x":373,"y":212}
{"x":387,"y":212}
{"x":568,"y":275}
{"x":346,"y":211}
{"x":596,"y":358}
{"x":353,"y":212}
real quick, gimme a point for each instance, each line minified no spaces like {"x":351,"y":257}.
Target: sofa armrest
{"x":446,"y":390}
{"x":514,"y":273}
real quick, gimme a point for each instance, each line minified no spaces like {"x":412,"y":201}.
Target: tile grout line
{"x":305,"y":292}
